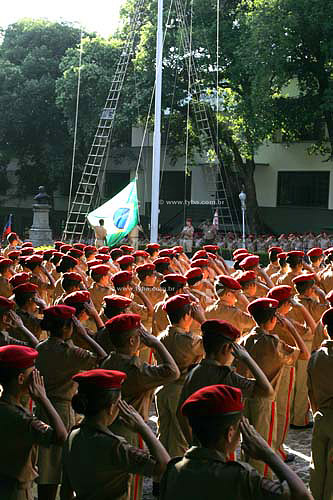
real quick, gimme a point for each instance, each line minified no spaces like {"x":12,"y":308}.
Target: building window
{"x":303,"y":189}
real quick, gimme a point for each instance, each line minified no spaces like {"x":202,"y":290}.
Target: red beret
{"x":240,"y":256}
{"x":199,"y":255}
{"x":94,"y":262}
{"x":123,"y":323}
{"x":195,"y":272}
{"x":27,"y":251}
{"x":328,"y":251}
{"x":165,"y":253}
{"x":175,"y":278}
{"x":200,"y":263}
{"x":246,"y":276}
{"x":116,"y":252}
{"x":176,"y":302}
{"x":103,"y":379}
{"x":327,"y":317}
{"x":178,"y":249}
{"x":280,"y":293}
{"x":218,"y":326}
{"x":59,"y":312}
{"x":64,"y":248}
{"x":126,"y":248}
{"x":239,"y":250}
{"x":25,"y":288}
{"x":141,"y":253}
{"x":57,"y":244}
{"x":125,"y":260}
{"x":250,"y":261}
{"x":315,"y":252}
{"x":75,"y":252}
{"x":80,"y":246}
{"x":58,"y":254}
{"x":282,"y":255}
{"x":212,"y":401}
{"x":103,"y":257}
{"x":104,"y":250}
{"x":5,"y":263}
{"x":90,"y":249}
{"x":303,"y":278}
{"x":27,"y":244}
{"x":48,"y":253}
{"x":227,"y":282}
{"x":34,"y":259}
{"x":14,"y":254}
{"x":117,"y":301}
{"x":72,"y":277}
{"x":329,"y":297}
{"x":211,"y":248}
{"x":262,"y":304}
{"x":275,"y":249}
{"x":17,"y":356}
{"x":146,"y":267}
{"x":122,"y":278}
{"x":6,"y":304}
{"x":295,"y":253}
{"x":18,"y":279}
{"x":100,"y":270}
{"x":162,"y":260}
{"x":12,"y":235}
{"x":79,"y":297}
{"x":69,"y":260}
{"x":212,"y":255}
{"x":153,"y":246}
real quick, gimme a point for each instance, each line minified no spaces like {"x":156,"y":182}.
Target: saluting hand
{"x":253,"y":444}
{"x":146,"y":338}
{"x":239,"y":352}
{"x":130,"y":417}
{"x":15,"y":320}
{"x":36,"y":386}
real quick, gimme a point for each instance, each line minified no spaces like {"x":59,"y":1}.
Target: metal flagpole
{"x":155,"y":185}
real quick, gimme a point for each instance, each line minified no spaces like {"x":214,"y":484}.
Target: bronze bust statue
{"x":42,"y":198}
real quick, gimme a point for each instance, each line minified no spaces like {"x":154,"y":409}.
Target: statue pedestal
{"x":40,"y":233}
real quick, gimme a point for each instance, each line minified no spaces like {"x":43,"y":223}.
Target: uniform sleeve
{"x":12,"y":341}
{"x":244,"y":320}
{"x":246,"y":385}
{"x":141,"y":310}
{"x":256,"y":487}
{"x":150,"y":376}
{"x":38,"y":432}
{"x":288,"y":354}
{"x":81,"y":359}
{"x":131,"y":459}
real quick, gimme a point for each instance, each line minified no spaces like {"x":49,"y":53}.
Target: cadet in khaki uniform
{"x":283,"y":267}
{"x":67,"y":264}
{"x":70,"y":282}
{"x":40,"y":277}
{"x":5,"y":275}
{"x":194,"y":278}
{"x":186,"y":349}
{"x":100,"y":275}
{"x":58,"y":361}
{"x":263,"y":282}
{"x":173,"y":284}
{"x":271,"y":354}
{"x":152,"y":249}
{"x":28,"y":303}
{"x":113,"y":306}
{"x":227,"y":290}
{"x":316,"y":256}
{"x":147,"y":276}
{"x":248,"y":282}
{"x":287,"y":331}
{"x":326,"y":276}
{"x":214,"y":414}
{"x":273,"y":266}
{"x":320,"y":380}
{"x":10,"y":320}
{"x":98,"y":463}
{"x":21,"y":433}
{"x":295,"y":261}
{"x":126,"y":335}
{"x":13,"y":241}
{"x":14,"y":256}
{"x":220,"y":344}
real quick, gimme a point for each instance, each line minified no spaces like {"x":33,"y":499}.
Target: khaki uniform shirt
{"x":97,"y":294}
{"x":205,"y":474}
{"x":98,"y":464}
{"x":58,"y":361}
{"x":287,"y":279}
{"x":103,"y":338}
{"x":210,"y":372}
{"x":185,"y":348}
{"x":31,"y":322}
{"x":241,"y":320}
{"x":272,"y":269}
{"x":270,"y":353}
{"x":320,"y":375}
{"x":326,"y":280}
{"x":6,"y":289}
{"x":142,"y":379}
{"x":20,"y":435}
{"x":316,"y":309}
{"x":43,"y":284}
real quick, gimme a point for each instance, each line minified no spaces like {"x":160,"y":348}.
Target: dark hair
{"x":111,"y":311}
{"x":273,"y":256}
{"x":193,"y":281}
{"x":101,"y":222}
{"x":171,"y":288}
{"x":237,"y":266}
{"x":282,"y":262}
{"x":120,"y":340}
{"x":54,"y":325}
{"x":304,"y":286}
{"x":115,"y":254}
{"x":143,"y":274}
{"x":32,"y":265}
{"x":96,"y":277}
{"x":315,"y":258}
{"x":209,"y":430}
{"x":65,"y":266}
{"x":7,"y":374}
{"x":79,"y":307}
{"x":90,"y":400}
{"x":176,"y":316}
{"x":247,"y":284}
{"x":11,"y":238}
{"x":125,"y":267}
{"x":67,"y":283}
{"x":221,"y":289}
{"x":213,"y":343}
{"x":55,"y":259}
{"x":293,"y":261}
{"x":163,"y":266}
{"x":151,"y":251}
{"x":263,"y":315}
{"x":329,"y":329}
{"x":22,"y":298}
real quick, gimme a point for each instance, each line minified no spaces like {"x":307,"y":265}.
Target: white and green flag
{"x":120,"y":214}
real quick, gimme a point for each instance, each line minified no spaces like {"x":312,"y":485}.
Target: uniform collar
{"x":200,"y":453}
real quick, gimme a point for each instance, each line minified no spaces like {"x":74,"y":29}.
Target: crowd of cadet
{"x":96,"y":341}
